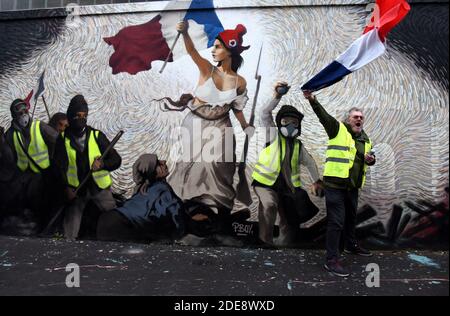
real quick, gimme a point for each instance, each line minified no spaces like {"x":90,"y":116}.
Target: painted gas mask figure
{"x":289,"y":126}
{"x":20,"y":115}
{"x":277,"y":181}
{"x":27,"y":149}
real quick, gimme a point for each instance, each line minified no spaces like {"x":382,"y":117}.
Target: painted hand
{"x":370,"y":159}
{"x":317,"y":189}
{"x":70,"y":194}
{"x":182,"y":27}
{"x":309,"y":95}
{"x":250,"y":131}
{"x":281,"y":88}
{"x":97,"y":164}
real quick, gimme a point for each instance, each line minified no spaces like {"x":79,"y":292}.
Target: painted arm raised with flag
{"x":229,"y":61}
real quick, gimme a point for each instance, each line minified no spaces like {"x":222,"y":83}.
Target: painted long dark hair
{"x":236,"y":59}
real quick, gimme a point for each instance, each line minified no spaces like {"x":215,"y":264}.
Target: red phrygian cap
{"x":233,"y":39}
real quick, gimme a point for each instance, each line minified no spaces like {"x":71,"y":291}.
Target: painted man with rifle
{"x":28,"y":147}
{"x":276,"y":177}
{"x":85,"y":174}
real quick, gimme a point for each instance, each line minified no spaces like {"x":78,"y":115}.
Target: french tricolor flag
{"x":36,"y":92}
{"x":367,"y":48}
{"x":137,"y":46}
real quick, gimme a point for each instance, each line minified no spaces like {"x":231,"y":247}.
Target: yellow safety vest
{"x":37,"y":150}
{"x":341,"y":155}
{"x":268,"y":167}
{"x":102,"y":178}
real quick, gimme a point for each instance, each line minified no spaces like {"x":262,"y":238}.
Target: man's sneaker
{"x":334,"y":267}
{"x":357,"y":250}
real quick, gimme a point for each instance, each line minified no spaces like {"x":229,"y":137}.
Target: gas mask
{"x":19,"y":113}
{"x":290,"y":131}
{"x":290,"y":127}
{"x":23,"y":120}
{"x":289,"y":121}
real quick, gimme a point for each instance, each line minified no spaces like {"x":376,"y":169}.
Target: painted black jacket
{"x":111,"y":162}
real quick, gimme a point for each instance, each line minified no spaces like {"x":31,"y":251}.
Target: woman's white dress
{"x":205,"y":169}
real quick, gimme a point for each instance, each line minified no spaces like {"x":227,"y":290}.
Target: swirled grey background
{"x":404,"y":94}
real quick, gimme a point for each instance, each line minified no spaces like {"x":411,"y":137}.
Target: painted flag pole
{"x":137,"y":46}
{"x":242,"y":190}
{"x":46,"y":108}
{"x":34,"y":108}
{"x":170,"y":52}
{"x":37,"y":92}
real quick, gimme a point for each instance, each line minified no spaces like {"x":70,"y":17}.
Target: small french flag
{"x":137,"y":46}
{"x":367,"y":48}
{"x":36,"y":92}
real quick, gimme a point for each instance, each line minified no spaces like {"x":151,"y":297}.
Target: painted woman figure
{"x":206,"y":171}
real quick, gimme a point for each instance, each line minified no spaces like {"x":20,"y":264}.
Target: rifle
{"x":242,"y":190}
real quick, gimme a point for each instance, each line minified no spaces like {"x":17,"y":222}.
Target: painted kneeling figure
{"x":154,"y":212}
{"x":153,"y":209}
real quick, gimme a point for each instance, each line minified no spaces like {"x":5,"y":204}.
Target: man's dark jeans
{"x":341,"y":212}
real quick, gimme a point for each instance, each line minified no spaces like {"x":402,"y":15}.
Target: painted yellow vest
{"x":37,"y":150}
{"x":102,"y":178}
{"x":268,"y":167}
{"x":341,"y":155}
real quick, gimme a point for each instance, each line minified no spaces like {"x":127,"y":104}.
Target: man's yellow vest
{"x":341,"y":155}
{"x":102,"y":178}
{"x":37,"y":150}
{"x":268,"y":167}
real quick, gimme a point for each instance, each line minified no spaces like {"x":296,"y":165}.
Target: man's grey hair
{"x":349,"y":112}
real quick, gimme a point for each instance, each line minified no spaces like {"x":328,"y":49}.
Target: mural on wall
{"x":404,"y":93}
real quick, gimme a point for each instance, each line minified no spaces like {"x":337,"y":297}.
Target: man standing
{"x":78,"y":150}
{"x":27,"y":149}
{"x":276,"y":176}
{"x":348,"y":155}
